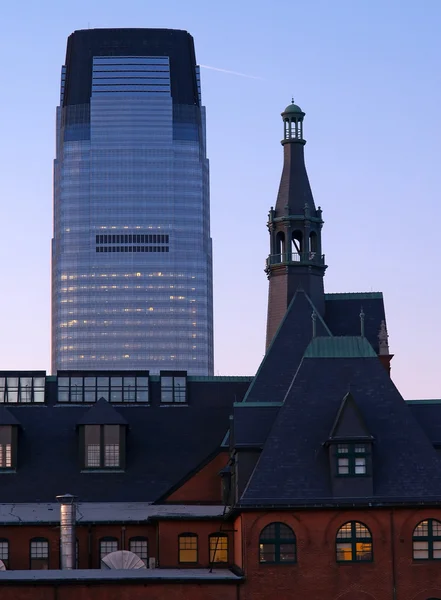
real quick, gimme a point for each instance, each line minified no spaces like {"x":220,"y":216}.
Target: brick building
{"x":314,"y":479}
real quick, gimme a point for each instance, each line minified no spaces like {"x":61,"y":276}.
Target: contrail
{"x":231,"y":72}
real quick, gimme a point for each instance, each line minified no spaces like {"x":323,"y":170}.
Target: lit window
{"x":39,"y":553}
{"x":139,"y":546}
{"x":102,"y":446}
{"x":218,"y":548}
{"x":108,"y":545}
{"x":351,"y":459}
{"x":277,"y":544}
{"x":188,"y":548}
{"x":426,"y":540}
{"x":353,"y":543}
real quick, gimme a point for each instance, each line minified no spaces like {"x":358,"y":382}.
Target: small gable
{"x":102,"y":413}
{"x":349,"y":423}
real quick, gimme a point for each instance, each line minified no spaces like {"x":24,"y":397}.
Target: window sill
{"x":8,"y":471}
{"x":174,"y":404}
{"x":110,"y":471}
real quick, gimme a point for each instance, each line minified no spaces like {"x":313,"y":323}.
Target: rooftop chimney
{"x":68,"y":510}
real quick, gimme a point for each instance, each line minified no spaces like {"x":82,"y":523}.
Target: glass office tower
{"x":131,"y":248}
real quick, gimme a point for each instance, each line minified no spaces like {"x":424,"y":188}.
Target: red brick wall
{"x":317,"y":575}
{"x":168,"y":544}
{"x":204,"y":486}
{"x":277,"y":302}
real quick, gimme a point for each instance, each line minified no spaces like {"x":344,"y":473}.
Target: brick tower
{"x":296,"y":260}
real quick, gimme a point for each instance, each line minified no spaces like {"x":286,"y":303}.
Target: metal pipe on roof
{"x":68,"y":513}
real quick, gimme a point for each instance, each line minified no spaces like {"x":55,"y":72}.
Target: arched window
{"x":297,"y":245}
{"x":139,"y":545}
{"x":353,"y":543}
{"x":426,"y":540}
{"x":280,"y":244}
{"x":188,"y":548}
{"x":312,"y":244}
{"x":277,"y":544}
{"x":39,"y":553}
{"x":4,"y":551}
{"x":218,"y":548}
{"x":108,"y":545}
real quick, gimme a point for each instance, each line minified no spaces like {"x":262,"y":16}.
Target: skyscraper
{"x":131,"y":249}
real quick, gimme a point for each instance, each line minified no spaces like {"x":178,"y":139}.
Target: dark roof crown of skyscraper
{"x":84,"y":44}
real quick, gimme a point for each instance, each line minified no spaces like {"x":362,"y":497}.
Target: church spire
{"x":295,"y":259}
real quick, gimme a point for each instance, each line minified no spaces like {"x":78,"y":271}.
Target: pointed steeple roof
{"x":102,"y":413}
{"x":286,"y":350}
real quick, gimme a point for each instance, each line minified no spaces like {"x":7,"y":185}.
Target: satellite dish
{"x":122,"y":559}
{"x":2,"y":566}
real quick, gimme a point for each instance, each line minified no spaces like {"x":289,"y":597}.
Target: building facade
{"x":131,"y":249}
{"x":314,"y":479}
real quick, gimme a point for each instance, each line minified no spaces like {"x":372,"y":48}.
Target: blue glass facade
{"x":132,"y":260}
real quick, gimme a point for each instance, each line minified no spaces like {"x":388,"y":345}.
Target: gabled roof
{"x":102,"y":413}
{"x":342,"y":314}
{"x":286,"y":350}
{"x":349,"y":422}
{"x":293,"y":468}
{"x":7,"y":418}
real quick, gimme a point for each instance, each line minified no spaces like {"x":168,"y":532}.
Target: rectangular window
{"x":39,"y":554}
{"x":351,"y":459}
{"x":108,"y":545}
{"x":4,"y":552}
{"x":102,"y":446}
{"x":111,"y":445}
{"x":188,"y":548}
{"x":173,"y":389}
{"x":92,"y":435}
{"x":139,"y":547}
{"x":218,"y":549}
{"x":6,"y":447}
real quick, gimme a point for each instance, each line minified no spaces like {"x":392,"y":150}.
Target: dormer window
{"x":352,"y":459}
{"x":102,"y":446}
{"x":173,"y":387}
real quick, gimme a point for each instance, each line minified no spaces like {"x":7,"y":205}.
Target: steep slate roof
{"x":428,"y":415}
{"x":164,"y":443}
{"x":293,"y":468}
{"x":342,"y":314}
{"x":7,"y":418}
{"x":252,"y":423}
{"x":285,"y":351}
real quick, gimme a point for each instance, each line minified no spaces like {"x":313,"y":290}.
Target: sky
{"x":366,"y":73}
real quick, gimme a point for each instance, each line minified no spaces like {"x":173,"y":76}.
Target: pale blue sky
{"x":367,"y":74}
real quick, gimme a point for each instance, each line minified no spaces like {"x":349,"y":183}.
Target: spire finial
{"x":292,"y":99}
{"x":383,"y":341}
{"x":362,"y":315}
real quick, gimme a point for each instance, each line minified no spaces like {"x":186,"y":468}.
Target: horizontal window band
{"x":132,"y":249}
{"x":135,"y":238}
